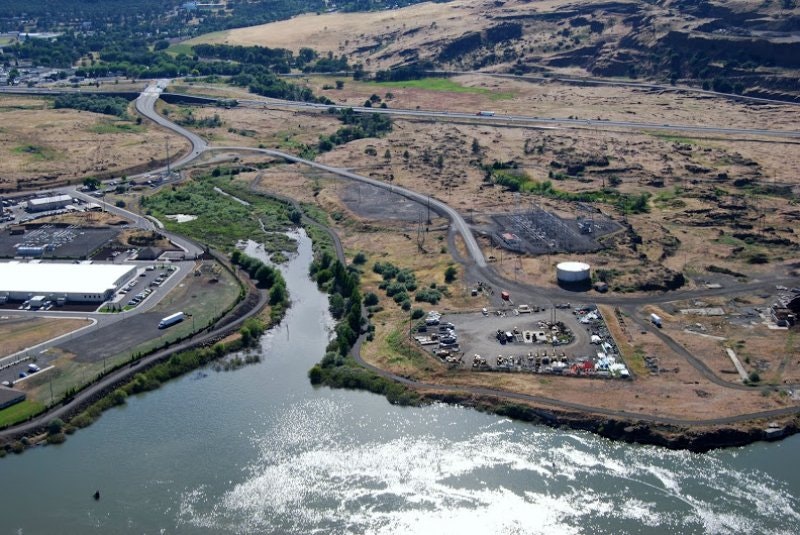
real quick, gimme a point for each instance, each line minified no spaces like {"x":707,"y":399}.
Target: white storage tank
{"x":573,"y":272}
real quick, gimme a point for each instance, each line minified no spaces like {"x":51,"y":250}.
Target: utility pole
{"x":169,"y":172}
{"x":429,"y":210}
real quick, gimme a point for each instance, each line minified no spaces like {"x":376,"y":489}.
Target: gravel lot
{"x":476,"y":334}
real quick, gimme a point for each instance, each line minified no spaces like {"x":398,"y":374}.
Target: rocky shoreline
{"x":698,"y":439}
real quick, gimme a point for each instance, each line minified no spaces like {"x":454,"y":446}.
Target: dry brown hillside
{"x":741,"y":46}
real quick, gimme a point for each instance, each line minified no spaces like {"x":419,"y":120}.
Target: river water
{"x":259,"y":450}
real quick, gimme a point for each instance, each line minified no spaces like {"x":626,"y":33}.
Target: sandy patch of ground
{"x":19,"y":332}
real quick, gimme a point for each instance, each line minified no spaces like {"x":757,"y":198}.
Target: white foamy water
{"x":181,"y":218}
{"x":311,"y":476}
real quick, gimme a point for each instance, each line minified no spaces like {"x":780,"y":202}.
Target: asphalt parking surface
{"x":98,"y":343}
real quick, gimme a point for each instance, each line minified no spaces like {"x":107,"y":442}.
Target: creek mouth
{"x":259,"y":450}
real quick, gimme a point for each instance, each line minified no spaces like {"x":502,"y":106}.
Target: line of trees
{"x":95,"y":103}
{"x":337,"y":368}
{"x":265,"y":276}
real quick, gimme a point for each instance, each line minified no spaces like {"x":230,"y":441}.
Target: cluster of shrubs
{"x":95,"y":103}
{"x":356,"y":126}
{"x":400,"y":283}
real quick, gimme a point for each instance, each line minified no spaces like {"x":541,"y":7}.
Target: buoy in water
{"x":97,"y":495}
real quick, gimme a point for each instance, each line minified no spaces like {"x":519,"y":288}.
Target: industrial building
{"x":49,"y":203}
{"x":77,"y":283}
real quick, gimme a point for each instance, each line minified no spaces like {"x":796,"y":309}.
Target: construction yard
{"x":566,"y":342}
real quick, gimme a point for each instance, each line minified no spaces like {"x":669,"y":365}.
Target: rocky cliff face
{"x":733,"y":46}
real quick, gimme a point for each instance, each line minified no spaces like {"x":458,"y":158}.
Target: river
{"x":258,"y":450}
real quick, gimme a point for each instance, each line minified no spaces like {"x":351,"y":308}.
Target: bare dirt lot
{"x":42,"y":147}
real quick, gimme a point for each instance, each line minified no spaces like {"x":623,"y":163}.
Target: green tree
{"x":277,"y":294}
{"x":91,"y":182}
{"x":265,"y":276}
{"x":450,"y":274}
{"x":336,"y":305}
{"x":55,"y":426}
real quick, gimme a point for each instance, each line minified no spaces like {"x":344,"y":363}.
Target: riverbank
{"x":698,"y":439}
{"x":343,"y":366}
{"x":112,"y":389}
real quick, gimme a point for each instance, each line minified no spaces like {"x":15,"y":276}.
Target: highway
{"x":530,"y":120}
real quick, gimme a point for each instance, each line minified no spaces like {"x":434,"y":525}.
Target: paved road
{"x":529,"y":120}
{"x":441,"y":208}
{"x":145,"y":105}
{"x":192,"y":250}
{"x":622,"y":83}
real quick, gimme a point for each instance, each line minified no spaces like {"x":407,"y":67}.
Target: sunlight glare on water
{"x":311,"y":475}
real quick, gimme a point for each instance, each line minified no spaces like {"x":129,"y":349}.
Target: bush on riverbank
{"x":338,"y":369}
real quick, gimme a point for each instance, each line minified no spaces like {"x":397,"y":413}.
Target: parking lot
{"x":570,"y":341}
{"x":54,"y":241}
{"x":100,"y":343}
{"x":149,"y":277}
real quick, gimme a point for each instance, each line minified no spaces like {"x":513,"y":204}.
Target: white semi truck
{"x":171,"y":320}
{"x":656,"y":320}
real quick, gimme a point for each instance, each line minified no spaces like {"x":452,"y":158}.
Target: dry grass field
{"x":559,"y":36}
{"x":18,"y":333}
{"x":41,"y":147}
{"x":704,"y":210}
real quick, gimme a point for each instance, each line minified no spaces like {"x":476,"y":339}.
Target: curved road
{"x":480,"y":264}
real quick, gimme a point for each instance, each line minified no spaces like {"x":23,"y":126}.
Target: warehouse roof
{"x":47,"y":278}
{"x":48,"y":200}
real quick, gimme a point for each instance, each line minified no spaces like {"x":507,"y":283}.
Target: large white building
{"x":87,"y":283}
{"x":48,"y":203}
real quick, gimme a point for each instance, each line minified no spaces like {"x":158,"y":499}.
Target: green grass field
{"x":445,"y":84}
{"x":19,"y":412}
{"x":36,"y":153}
{"x":116,"y":127}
